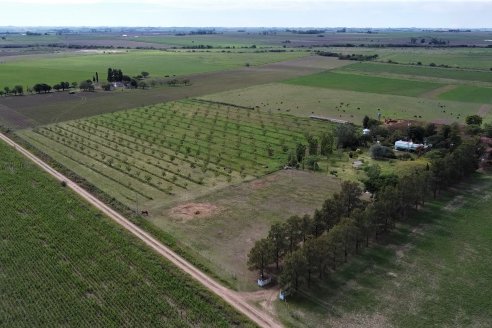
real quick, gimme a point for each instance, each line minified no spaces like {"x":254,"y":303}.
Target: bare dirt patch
{"x":263,"y":182}
{"x":192,"y":211}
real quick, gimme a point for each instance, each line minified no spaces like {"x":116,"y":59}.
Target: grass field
{"x":363,"y":83}
{"x":64,"y":264}
{"x":29,"y":111}
{"x":347,"y":105}
{"x":469,"y":94}
{"x":80,"y":66}
{"x":434,"y":272}
{"x":420,"y":71}
{"x":163,"y":153}
{"x":233,"y":218}
{"x":479,"y":58}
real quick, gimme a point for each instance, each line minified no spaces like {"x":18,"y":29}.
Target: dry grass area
{"x":232,"y":219}
{"x":191,"y":211}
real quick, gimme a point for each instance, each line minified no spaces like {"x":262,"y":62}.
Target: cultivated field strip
{"x":160,"y":151}
{"x":259,"y":317}
{"x":64,"y":264}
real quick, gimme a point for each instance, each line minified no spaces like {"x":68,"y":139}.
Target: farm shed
{"x":408,"y":146}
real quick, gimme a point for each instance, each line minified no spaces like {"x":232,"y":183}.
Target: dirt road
{"x":261,"y":318}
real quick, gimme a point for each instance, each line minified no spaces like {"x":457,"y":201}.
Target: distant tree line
{"x":310,"y":247}
{"x":310,"y":31}
{"x":357,"y":57}
{"x":16,"y":90}
{"x":114,"y":75}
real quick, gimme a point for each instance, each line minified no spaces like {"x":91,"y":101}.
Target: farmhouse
{"x":409,"y":146}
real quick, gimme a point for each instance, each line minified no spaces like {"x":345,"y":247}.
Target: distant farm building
{"x":409,"y":146}
{"x":366,"y":132}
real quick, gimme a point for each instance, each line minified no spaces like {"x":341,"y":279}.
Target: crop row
{"x":64,"y":264}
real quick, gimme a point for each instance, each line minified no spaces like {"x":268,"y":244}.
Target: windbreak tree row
{"x":313,"y":246}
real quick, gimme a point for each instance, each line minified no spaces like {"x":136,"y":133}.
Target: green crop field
{"x":434,"y":272}
{"x":346,"y":105}
{"x":479,"y":58}
{"x":80,"y":66}
{"x":420,"y":71}
{"x":167,"y":152}
{"x":363,"y":83}
{"x":469,"y":94}
{"x":65,"y":264}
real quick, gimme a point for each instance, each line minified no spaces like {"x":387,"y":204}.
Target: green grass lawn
{"x":364,"y":83}
{"x":420,"y":71}
{"x":346,"y":105}
{"x":64,"y":264}
{"x":434,"y":272}
{"x":469,"y":94}
{"x":79,"y":66}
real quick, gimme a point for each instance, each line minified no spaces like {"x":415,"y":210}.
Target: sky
{"x":248,"y":13}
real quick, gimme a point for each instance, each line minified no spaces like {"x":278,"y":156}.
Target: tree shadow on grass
{"x":352,"y":285}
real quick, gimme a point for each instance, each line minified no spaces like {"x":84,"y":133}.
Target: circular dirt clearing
{"x":191,"y":211}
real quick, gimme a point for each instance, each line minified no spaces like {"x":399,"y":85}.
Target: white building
{"x":408,"y":146}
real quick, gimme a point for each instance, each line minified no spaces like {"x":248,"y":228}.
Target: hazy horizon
{"x":254,"y":13}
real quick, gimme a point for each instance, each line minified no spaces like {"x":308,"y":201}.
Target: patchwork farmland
{"x":174,"y":150}
{"x":65,"y":264}
{"x":230,"y":171}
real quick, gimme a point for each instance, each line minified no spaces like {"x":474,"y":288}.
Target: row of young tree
{"x":305,"y":247}
{"x":309,"y":154}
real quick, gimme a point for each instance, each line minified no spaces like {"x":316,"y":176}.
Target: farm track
{"x":231,"y":297}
